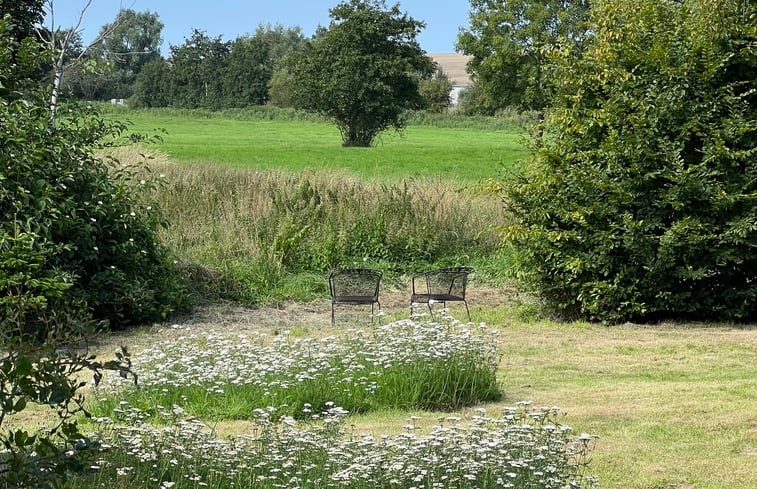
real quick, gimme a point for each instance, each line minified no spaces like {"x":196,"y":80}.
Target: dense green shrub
{"x":86,"y":212}
{"x":435,"y":92}
{"x":641,"y":204}
{"x":52,"y":199}
{"x":84,"y":216}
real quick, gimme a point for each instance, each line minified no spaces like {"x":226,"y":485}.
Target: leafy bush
{"x":86,"y":212}
{"x":48,"y":375}
{"x":435,"y":92}
{"x":641,"y":204}
{"x":74,"y":245}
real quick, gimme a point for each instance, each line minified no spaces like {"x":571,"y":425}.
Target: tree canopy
{"x":111,"y":64}
{"x":508,"y":40}
{"x":363,"y":72}
{"x":214,"y":74}
{"x":133,"y":39}
{"x":641,"y":204}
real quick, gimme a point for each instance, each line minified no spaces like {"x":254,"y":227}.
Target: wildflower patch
{"x":407,"y":364}
{"x":525,"y":447}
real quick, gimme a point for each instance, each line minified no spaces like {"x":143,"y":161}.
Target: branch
{"x":60,"y":67}
{"x":76,"y":28}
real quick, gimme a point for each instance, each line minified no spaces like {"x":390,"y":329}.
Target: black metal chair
{"x":354,"y":286}
{"x":442,"y":285}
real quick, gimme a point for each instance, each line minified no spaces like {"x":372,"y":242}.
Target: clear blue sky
{"x":233,"y":18}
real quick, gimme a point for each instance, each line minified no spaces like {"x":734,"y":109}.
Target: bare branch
{"x":60,"y":65}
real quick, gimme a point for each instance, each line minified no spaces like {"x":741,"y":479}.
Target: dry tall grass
{"x":275,"y":222}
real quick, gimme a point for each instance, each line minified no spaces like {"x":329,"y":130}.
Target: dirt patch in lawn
{"x":304,"y":319}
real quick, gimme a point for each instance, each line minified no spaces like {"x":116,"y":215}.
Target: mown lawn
{"x":420,"y":151}
{"x":673,"y":405}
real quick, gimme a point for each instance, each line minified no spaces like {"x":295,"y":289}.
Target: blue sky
{"x":232,"y":18}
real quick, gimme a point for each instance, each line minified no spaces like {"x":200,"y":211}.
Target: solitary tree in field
{"x":363,"y":73}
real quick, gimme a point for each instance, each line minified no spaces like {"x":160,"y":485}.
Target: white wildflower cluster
{"x":525,"y":447}
{"x":349,"y":368}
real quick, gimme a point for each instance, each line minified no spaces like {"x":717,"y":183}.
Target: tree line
{"x":508,"y":43}
{"x":202,"y":72}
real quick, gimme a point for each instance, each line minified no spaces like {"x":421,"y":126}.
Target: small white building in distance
{"x":453,"y":65}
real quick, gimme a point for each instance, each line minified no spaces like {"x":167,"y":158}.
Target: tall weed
{"x":260,"y":227}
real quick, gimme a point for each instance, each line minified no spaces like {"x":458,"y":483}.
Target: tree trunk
{"x":56,"y":86}
{"x":539,"y":135}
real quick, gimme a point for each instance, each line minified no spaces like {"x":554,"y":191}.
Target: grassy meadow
{"x":259,"y":212}
{"x":462,"y":154}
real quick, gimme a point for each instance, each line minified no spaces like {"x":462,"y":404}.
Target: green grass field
{"x":420,"y":151}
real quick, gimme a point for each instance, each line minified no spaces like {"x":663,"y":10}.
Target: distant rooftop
{"x":453,"y":65}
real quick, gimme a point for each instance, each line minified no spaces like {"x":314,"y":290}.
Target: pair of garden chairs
{"x":360,"y":286}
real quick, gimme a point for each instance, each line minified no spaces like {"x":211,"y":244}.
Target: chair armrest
{"x":419,"y":276}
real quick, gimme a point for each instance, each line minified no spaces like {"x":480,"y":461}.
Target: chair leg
{"x":467,"y":310}
{"x":372,"y":315}
{"x":332,"y":314}
{"x":430,"y":309}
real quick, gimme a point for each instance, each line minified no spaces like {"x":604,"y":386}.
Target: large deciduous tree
{"x":212,"y":73}
{"x":281,"y":41}
{"x":507,"y":40}
{"x":197,"y":71}
{"x":363,"y":73}
{"x":248,"y":69}
{"x":129,"y":42}
{"x":643,"y":202}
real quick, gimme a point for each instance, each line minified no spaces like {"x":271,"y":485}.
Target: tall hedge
{"x":642,"y":203}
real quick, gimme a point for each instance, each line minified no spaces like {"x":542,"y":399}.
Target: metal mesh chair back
{"x":450,"y":282}
{"x":442,"y":285}
{"x":354,"y":286}
{"x":359,"y":284}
